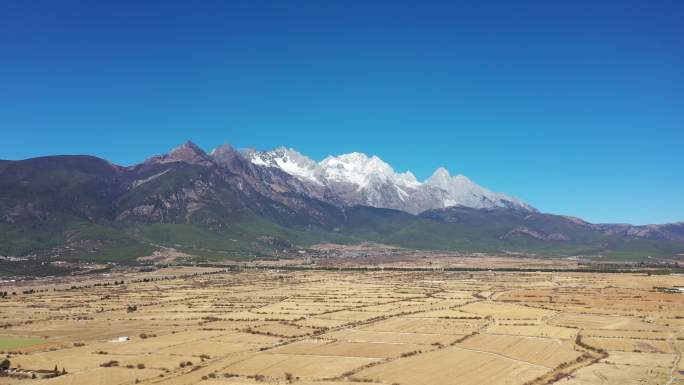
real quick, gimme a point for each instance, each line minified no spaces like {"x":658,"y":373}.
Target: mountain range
{"x":233,"y":203}
{"x":357,"y":179}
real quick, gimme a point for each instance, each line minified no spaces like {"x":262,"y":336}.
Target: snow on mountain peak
{"x":409,"y":179}
{"x":374,"y":182}
{"x":288,"y":160}
{"x":440,"y":178}
{"x":355,"y":168}
{"x":463,"y":191}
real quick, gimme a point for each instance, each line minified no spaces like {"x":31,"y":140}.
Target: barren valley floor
{"x":208,"y":326}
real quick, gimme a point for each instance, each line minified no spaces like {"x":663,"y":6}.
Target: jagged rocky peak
{"x":440,"y":178}
{"x":360,"y":169}
{"x":288,"y":160}
{"x":187,"y":152}
{"x":461,"y":191}
{"x":356,"y":178}
{"x":443,"y":178}
{"x":225,"y":148}
{"x":224,"y":154}
{"x":353,"y":178}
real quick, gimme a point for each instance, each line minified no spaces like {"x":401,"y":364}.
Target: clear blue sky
{"x":574,"y":106}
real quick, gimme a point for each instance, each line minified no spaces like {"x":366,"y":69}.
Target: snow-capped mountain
{"x":261,"y":201}
{"x":361,"y":170}
{"x":462,"y":191}
{"x":359,"y":179}
{"x":287,"y":160}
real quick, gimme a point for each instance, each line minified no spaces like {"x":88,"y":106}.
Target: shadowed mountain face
{"x":228,"y":203}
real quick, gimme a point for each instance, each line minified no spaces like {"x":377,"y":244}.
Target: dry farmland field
{"x":211,"y":326}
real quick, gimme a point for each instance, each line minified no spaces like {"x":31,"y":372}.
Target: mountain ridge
{"x":357,"y":178}
{"x":223,"y":203}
